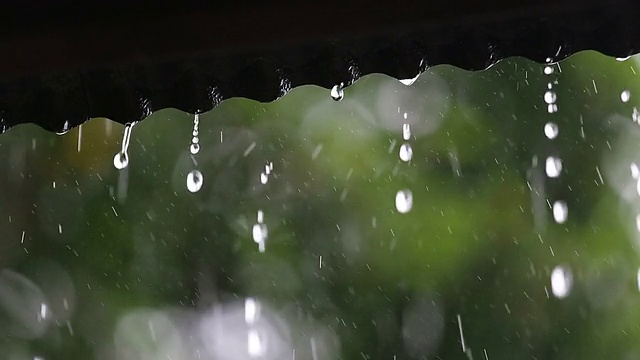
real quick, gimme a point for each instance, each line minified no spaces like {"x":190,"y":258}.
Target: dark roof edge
{"x":124,"y":60}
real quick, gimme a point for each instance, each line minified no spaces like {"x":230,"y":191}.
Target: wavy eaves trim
{"x":131,"y":91}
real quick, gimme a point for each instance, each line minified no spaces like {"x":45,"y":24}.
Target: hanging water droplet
{"x":195,"y":140}
{"x":121,"y":160}
{"x":561,"y":281}
{"x":550,"y":97}
{"x":406,"y":152}
{"x":404,"y":201}
{"x":337,"y":92}
{"x":551,"y":130}
{"x":553,"y":167}
{"x":548,"y":70}
{"x":406,"y":131}
{"x":194,"y":148}
{"x":194,"y":181}
{"x":560,"y":212}
{"x":625,"y":96}
{"x":195,"y":133}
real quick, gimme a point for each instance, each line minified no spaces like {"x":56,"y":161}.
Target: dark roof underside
{"x":67,"y":62}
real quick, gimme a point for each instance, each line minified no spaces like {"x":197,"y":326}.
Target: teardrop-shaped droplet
{"x":406,"y":152}
{"x":194,"y":148}
{"x":121,"y":160}
{"x":404,"y":201}
{"x":194,"y":181}
{"x":337,"y":92}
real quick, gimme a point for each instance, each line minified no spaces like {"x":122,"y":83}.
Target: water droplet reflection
{"x":561,"y":281}
{"x":194,"y":181}
{"x":404,"y":201}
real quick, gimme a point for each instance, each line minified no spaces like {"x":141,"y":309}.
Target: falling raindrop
{"x":121,"y":160}
{"x":552,"y":108}
{"x":560,"y":212}
{"x":260,"y":234}
{"x":553,"y":167}
{"x":255,"y":345}
{"x":404,"y":201}
{"x":251,"y":310}
{"x":264,"y":178}
{"x":551,"y":130}
{"x":550,"y":97}
{"x":625,"y":96}
{"x":194,"y":181}
{"x":194,"y":148}
{"x":561,"y":281}
{"x":337,"y":92}
{"x":548,"y":70}
{"x":406,"y":131}
{"x":406,"y":152}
